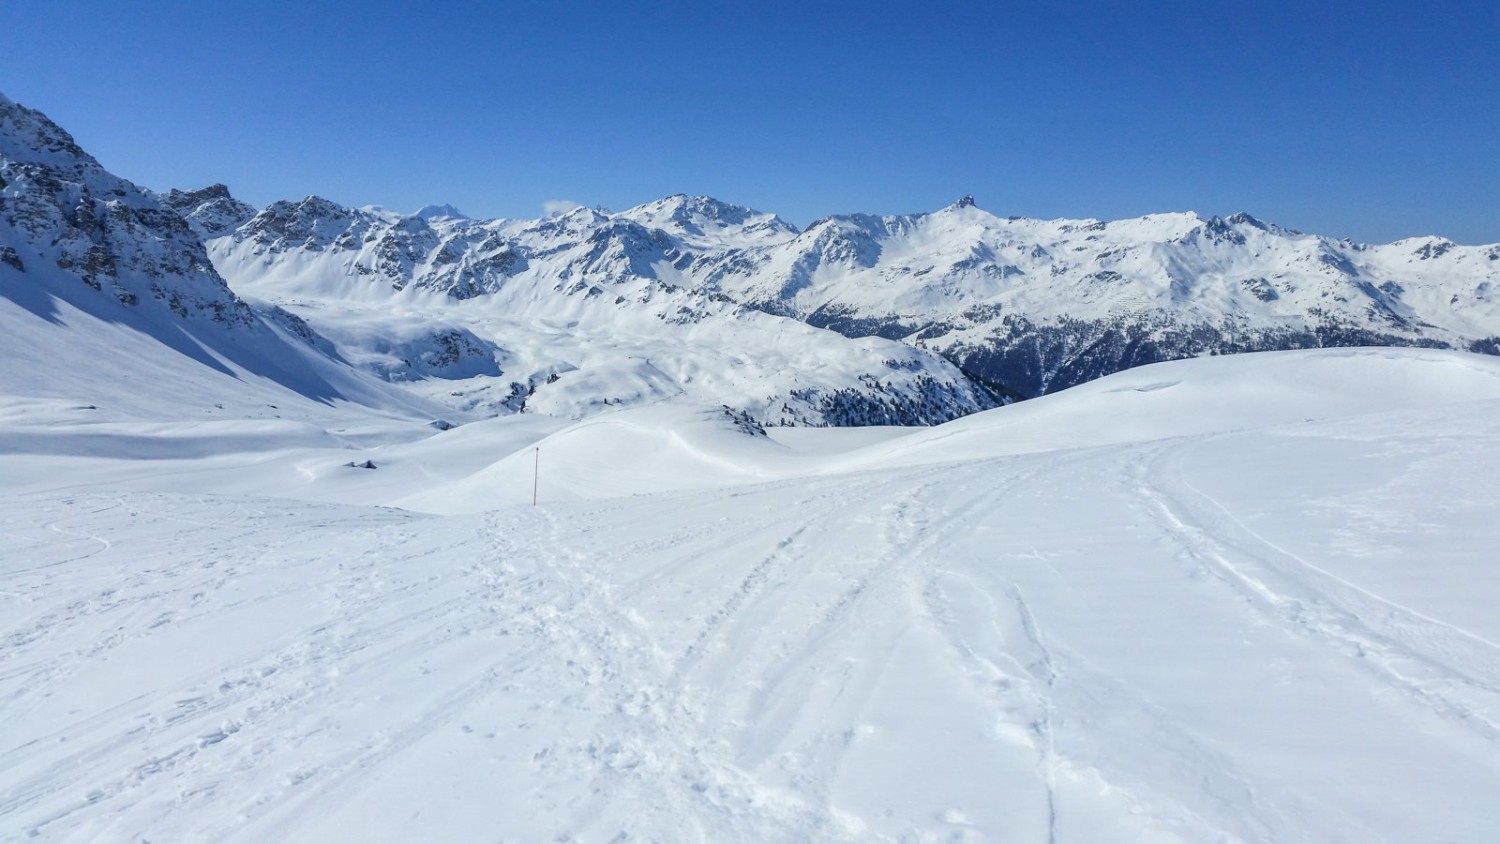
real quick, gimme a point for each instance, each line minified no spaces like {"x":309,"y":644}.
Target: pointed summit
{"x":966,"y":201}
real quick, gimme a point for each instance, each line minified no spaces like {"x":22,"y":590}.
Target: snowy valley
{"x":800,"y":567}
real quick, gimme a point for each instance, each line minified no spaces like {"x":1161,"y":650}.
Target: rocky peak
{"x":1243,"y":219}
{"x":215,"y":191}
{"x":64,"y":216}
{"x":313,"y":222}
{"x":211,"y":211}
{"x":28,"y":137}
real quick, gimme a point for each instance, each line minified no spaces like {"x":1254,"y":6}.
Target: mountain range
{"x":855,"y":320}
{"x":325,"y":523}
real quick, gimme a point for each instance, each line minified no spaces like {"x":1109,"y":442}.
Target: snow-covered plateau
{"x":347,"y":525}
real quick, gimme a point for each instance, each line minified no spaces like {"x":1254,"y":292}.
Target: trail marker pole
{"x":536,"y":471}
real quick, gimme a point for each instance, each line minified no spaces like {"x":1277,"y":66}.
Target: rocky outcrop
{"x":60,"y":210}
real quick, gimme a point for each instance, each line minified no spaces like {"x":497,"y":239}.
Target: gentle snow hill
{"x":1270,"y":630}
{"x":628,"y":452}
{"x":680,"y":448}
{"x":1204,"y":396}
{"x":677,"y":446}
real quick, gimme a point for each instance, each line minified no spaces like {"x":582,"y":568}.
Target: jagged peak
{"x":862,"y":223}
{"x":30,"y":136}
{"x":963,"y":209}
{"x":1243,"y":218}
{"x":310,"y":204}
{"x":210,"y":211}
{"x":217,"y":190}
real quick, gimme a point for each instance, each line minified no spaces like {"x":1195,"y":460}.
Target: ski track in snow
{"x":1000,"y":649}
{"x":1451,"y":670}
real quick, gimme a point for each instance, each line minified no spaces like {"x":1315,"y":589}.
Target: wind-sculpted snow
{"x":1091,"y":617}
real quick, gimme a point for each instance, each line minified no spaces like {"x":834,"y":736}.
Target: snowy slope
{"x":1247,"y":627}
{"x":251,"y":588}
{"x":103,"y":283}
{"x":108,"y":299}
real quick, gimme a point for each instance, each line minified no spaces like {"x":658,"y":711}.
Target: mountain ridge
{"x":91,"y":266}
{"x":1023,"y":305}
{"x":855,"y":319}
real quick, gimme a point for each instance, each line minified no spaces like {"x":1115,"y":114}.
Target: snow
{"x":1029,"y":305}
{"x":270,"y":567}
{"x":1225,"y":599}
{"x":431,"y":212}
{"x":626,"y":339}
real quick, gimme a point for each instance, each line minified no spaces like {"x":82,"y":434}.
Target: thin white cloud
{"x":559,"y":206}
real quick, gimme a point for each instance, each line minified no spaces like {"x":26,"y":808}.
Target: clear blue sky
{"x":1370,"y":120}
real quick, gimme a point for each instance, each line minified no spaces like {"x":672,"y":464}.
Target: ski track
{"x":654,"y":725}
{"x":1449,"y":670}
{"x":652,"y":674}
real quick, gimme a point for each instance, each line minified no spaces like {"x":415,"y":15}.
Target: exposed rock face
{"x":210,"y":212}
{"x":59,"y":209}
{"x":71,"y":231}
{"x":443,"y":252}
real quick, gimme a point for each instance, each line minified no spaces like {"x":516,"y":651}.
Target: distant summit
{"x":433,"y":212}
{"x":1021,"y":306}
{"x":210,"y":211}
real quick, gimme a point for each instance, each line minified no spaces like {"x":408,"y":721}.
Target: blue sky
{"x":1368,"y":120}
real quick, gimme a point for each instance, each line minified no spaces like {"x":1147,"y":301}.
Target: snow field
{"x":1239,"y":625}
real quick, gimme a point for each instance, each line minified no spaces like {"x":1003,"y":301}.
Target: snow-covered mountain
{"x":571,"y":314}
{"x":94,"y":269}
{"x":65,"y":216}
{"x":107,"y":297}
{"x":1035,"y":306}
{"x":1023,"y":306}
{"x":251,"y":589}
{"x":859,"y":319}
